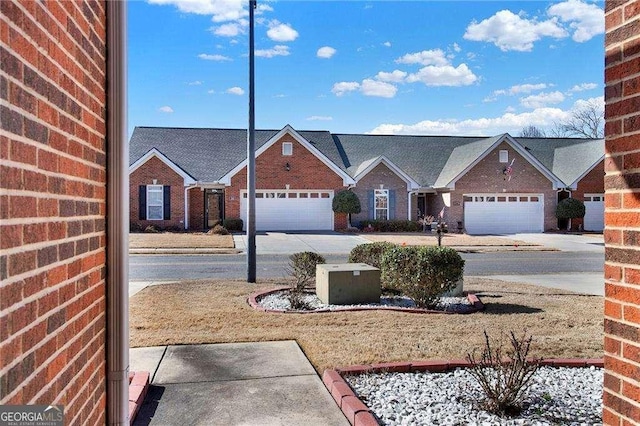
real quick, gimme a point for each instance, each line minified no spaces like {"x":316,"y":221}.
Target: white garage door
{"x":593,"y":212}
{"x":278,"y":210}
{"x":503,"y":213}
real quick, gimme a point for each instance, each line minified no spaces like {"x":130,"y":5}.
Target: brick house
{"x":63,"y":319}
{"x":192,"y":178}
{"x":622,"y":215}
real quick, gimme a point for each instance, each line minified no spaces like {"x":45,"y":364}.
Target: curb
{"x":183,"y":251}
{"x":138,"y":387}
{"x":359,"y":414}
{"x":252,"y":300}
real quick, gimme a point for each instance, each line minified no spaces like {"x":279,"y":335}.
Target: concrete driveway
{"x":293,"y":242}
{"x":565,"y":242}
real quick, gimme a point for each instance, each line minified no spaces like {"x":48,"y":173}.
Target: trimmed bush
{"x":371,"y":253}
{"x":421,"y":273}
{"x":391,"y":225}
{"x":232,"y":224}
{"x":570,"y":208}
{"x":218,"y":230}
{"x":346,"y":202}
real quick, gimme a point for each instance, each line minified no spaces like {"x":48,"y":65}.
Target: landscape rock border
{"x":359,"y":414}
{"x":476,"y":305}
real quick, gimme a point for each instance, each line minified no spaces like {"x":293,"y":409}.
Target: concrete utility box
{"x":347,"y":283}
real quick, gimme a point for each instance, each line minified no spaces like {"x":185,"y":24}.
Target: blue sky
{"x":404,"y":67}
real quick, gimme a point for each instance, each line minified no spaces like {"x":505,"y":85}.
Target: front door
{"x":213,"y":208}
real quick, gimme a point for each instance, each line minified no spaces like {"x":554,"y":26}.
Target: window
{"x":381,"y":203}
{"x":287,"y":148}
{"x":504,"y":156}
{"x":155,"y":202}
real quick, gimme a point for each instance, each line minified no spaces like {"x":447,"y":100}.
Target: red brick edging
{"x":359,"y":414}
{"x":138,"y":386}
{"x":476,"y":305}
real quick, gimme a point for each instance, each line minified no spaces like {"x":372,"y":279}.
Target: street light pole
{"x":251,"y":158}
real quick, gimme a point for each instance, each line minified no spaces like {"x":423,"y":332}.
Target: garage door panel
{"x":293,"y":211}
{"x":514,"y":213}
{"x":593,"y":212}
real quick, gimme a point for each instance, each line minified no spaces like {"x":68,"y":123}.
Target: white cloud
{"x":278,"y":50}
{"x":281,"y":32}
{"x":326,"y":52}
{"x":231,"y":29}
{"x":444,"y":76}
{"x":585,"y":19}
{"x":516,"y":90}
{"x":216,"y":57}
{"x":508,"y":122}
{"x":584,"y":103}
{"x":582,"y":87}
{"x":541,"y":100}
{"x":509,"y":31}
{"x":319,"y":118}
{"x":166,"y":109}
{"x":263,"y":7}
{"x":426,"y":57}
{"x":456,"y":48}
{"x":395,"y":76}
{"x":194,"y":83}
{"x":238,"y":91}
{"x":280,"y":95}
{"x":387,"y":44}
{"x":343,"y":87}
{"x":211,"y":92}
{"x":222,"y":10}
{"x":381,"y":89}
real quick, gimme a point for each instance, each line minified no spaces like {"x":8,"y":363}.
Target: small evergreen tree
{"x":570,"y":208}
{"x":346,"y":202}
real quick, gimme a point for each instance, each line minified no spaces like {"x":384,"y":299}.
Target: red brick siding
{"x":622,"y":214}
{"x":157,"y":169}
{"x":53,"y":206}
{"x":592,"y":183}
{"x":307,"y":172}
{"x":381,"y":174}
{"x":196,"y":209}
{"x":487,"y":177}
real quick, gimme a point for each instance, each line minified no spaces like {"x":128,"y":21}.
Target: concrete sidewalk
{"x":292,"y":242}
{"x":265,"y":383}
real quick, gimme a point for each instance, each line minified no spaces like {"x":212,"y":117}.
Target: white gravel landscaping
{"x":558,"y":395}
{"x":279,"y":301}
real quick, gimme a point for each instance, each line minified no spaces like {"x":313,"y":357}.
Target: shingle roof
{"x":432,"y":161}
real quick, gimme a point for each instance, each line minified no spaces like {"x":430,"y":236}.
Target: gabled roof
{"x":211,"y":155}
{"x":226,"y":179}
{"x":569,"y":159}
{"x":370,"y":164}
{"x":463,"y":158}
{"x":153,"y":152}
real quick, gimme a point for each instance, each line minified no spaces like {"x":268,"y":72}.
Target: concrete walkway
{"x":583,"y":283}
{"x":266,"y":383}
{"x":291,"y":242}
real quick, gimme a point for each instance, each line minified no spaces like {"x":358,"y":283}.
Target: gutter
{"x":117,"y":280}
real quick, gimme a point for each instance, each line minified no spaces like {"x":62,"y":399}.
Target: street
{"x":179,"y":267}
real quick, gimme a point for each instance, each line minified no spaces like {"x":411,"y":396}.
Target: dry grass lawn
{"x":563,"y":324}
{"x":179,"y":240}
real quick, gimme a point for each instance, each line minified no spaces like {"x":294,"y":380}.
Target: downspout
{"x":117,"y":291}
{"x":186,"y":209}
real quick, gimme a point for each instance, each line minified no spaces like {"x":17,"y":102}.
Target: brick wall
{"x":52,"y":206}
{"x":622,"y":214}
{"x":306,"y":172}
{"x":164,"y":175}
{"x":487,"y":176}
{"x":381,"y":174}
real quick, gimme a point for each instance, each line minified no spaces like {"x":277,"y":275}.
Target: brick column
{"x":622,"y":214}
{"x":53,"y":206}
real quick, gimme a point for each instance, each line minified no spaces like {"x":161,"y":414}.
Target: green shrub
{"x":346,"y":202}
{"x":232,"y":224}
{"x":371,"y":253}
{"x":570,"y":208}
{"x":218,"y":230}
{"x":421,"y":273}
{"x":391,"y":225}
